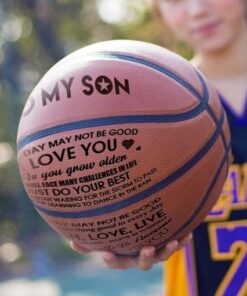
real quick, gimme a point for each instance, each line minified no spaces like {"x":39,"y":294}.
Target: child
{"x":215,"y":261}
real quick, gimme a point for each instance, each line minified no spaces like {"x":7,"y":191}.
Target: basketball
{"x":123,"y":144}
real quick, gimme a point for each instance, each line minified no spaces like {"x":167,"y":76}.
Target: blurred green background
{"x":35,"y":34}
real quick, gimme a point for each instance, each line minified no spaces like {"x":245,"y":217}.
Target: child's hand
{"x":147,"y":257}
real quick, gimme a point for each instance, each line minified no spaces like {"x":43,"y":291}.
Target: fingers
{"x":185,"y":241}
{"x":78,"y":248}
{"x":146,"y":258}
{"x":144,"y":261}
{"x":172,"y":247}
{"x":169,"y":249}
{"x":111,"y":260}
{"x":117,"y":262}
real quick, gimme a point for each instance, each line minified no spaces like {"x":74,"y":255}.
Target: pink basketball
{"x":123,"y":144}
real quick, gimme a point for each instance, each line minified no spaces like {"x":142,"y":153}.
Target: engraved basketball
{"x":123,"y":144}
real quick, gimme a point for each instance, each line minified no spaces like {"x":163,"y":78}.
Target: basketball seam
{"x":210,"y":111}
{"x":152,"y":65}
{"x":205,"y":198}
{"x":200,"y":206}
{"x":129,"y":118}
{"x":141,"y":195}
{"x":104,"y":121}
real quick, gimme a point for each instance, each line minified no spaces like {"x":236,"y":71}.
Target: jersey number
{"x":229,"y":242}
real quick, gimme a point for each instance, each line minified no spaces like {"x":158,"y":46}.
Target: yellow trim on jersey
{"x":176,"y":282}
{"x":176,"y":275}
{"x":233,"y":196}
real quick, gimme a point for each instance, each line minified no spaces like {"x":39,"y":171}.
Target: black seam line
{"x":143,"y":194}
{"x":104,"y":121}
{"x":199,"y":208}
{"x":162,"y":69}
{"x":210,"y":111}
{"x":203,"y":100}
{"x":206,"y":196}
{"x":216,"y":121}
{"x":119,"y":120}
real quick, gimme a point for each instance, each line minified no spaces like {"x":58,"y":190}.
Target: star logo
{"x":103,"y":85}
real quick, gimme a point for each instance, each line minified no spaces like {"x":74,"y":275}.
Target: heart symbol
{"x":128,"y":143}
{"x":138,"y":148}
